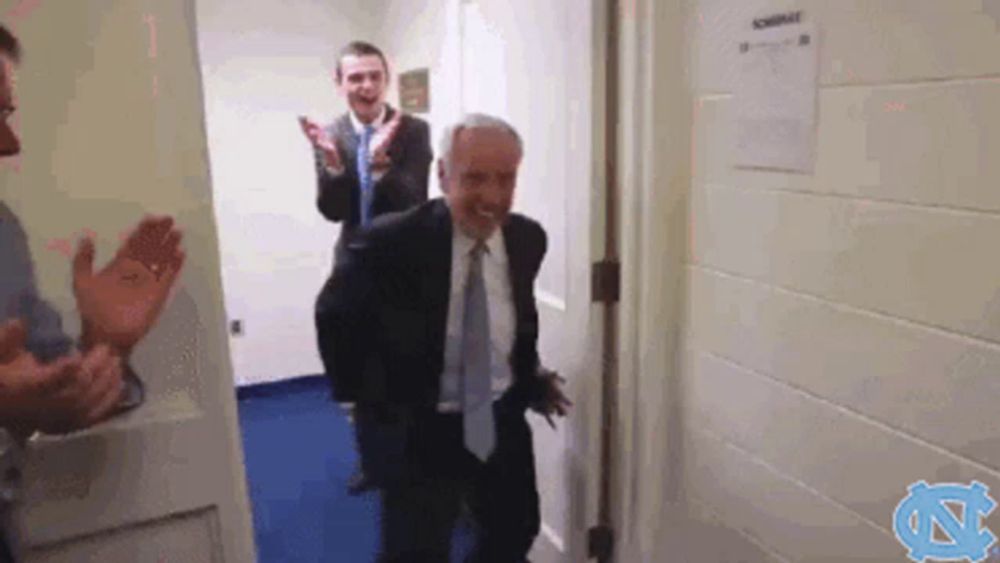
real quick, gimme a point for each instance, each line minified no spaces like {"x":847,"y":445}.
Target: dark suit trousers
{"x":419,"y":514}
{"x":6,"y":555}
{"x":370,"y":434}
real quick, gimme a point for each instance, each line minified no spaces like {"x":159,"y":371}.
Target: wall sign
{"x":775,"y":96}
{"x":414,"y":91}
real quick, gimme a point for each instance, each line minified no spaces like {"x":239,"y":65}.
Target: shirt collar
{"x":359,"y":127}
{"x":494,"y":245}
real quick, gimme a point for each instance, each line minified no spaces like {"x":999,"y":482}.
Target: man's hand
{"x":553,"y":400}
{"x":381,"y":141}
{"x":319,"y":139}
{"x":119,"y":304}
{"x":69,"y":394}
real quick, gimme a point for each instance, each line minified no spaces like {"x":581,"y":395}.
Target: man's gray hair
{"x":475,"y":121}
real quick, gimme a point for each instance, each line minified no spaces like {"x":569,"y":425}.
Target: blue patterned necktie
{"x":365,"y":175}
{"x":477,"y":395}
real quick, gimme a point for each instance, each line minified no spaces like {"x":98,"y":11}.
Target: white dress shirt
{"x":500,"y":304}
{"x":359,"y":127}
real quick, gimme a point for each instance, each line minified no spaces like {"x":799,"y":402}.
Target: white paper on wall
{"x":776,"y":98}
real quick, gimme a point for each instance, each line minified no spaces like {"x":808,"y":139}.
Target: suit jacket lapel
{"x":396,"y":145}
{"x":523,"y":356}
{"x":520,"y":291}
{"x":438,"y":279}
{"x":518,"y":270}
{"x":346,"y":140}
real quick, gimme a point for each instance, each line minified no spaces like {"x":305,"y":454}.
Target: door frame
{"x":654,"y":172}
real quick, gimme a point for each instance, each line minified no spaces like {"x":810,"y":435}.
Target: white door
{"x":531,"y":63}
{"x":112,"y":126}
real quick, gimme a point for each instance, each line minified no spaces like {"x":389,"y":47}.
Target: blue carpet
{"x":299,"y":451}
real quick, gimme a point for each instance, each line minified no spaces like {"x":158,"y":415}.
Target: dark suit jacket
{"x":381,"y":317}
{"x":403,"y":186}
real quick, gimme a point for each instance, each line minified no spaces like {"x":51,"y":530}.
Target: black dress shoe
{"x":359,"y":483}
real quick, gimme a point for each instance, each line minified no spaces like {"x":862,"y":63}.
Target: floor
{"x":299,"y":450}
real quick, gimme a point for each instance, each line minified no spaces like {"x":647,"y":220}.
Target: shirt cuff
{"x":134,"y":393}
{"x":334,"y":171}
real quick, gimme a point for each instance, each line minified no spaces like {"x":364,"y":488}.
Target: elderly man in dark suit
{"x":432,"y":312}
{"x":372,"y":160}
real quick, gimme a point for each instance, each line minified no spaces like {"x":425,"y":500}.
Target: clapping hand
{"x":321,"y":141}
{"x":381,"y":141}
{"x":71,"y":393}
{"x":119,"y":304}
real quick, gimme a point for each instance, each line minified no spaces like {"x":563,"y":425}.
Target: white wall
{"x":841,"y":333}
{"x":265,"y":63}
{"x":425,"y":34}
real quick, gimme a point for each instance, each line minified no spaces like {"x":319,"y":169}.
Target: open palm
{"x":119,"y":304}
{"x":321,"y":140}
{"x":386,"y":133}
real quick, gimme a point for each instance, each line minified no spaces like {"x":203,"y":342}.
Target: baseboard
{"x":282,"y":387}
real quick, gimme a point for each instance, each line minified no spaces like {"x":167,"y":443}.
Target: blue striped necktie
{"x":365,"y":175}
{"x":477,"y":395}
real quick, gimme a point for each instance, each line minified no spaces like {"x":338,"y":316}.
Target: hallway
{"x":299,"y":450}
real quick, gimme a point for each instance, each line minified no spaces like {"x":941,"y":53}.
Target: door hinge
{"x":605,"y":281}
{"x":600,"y":543}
